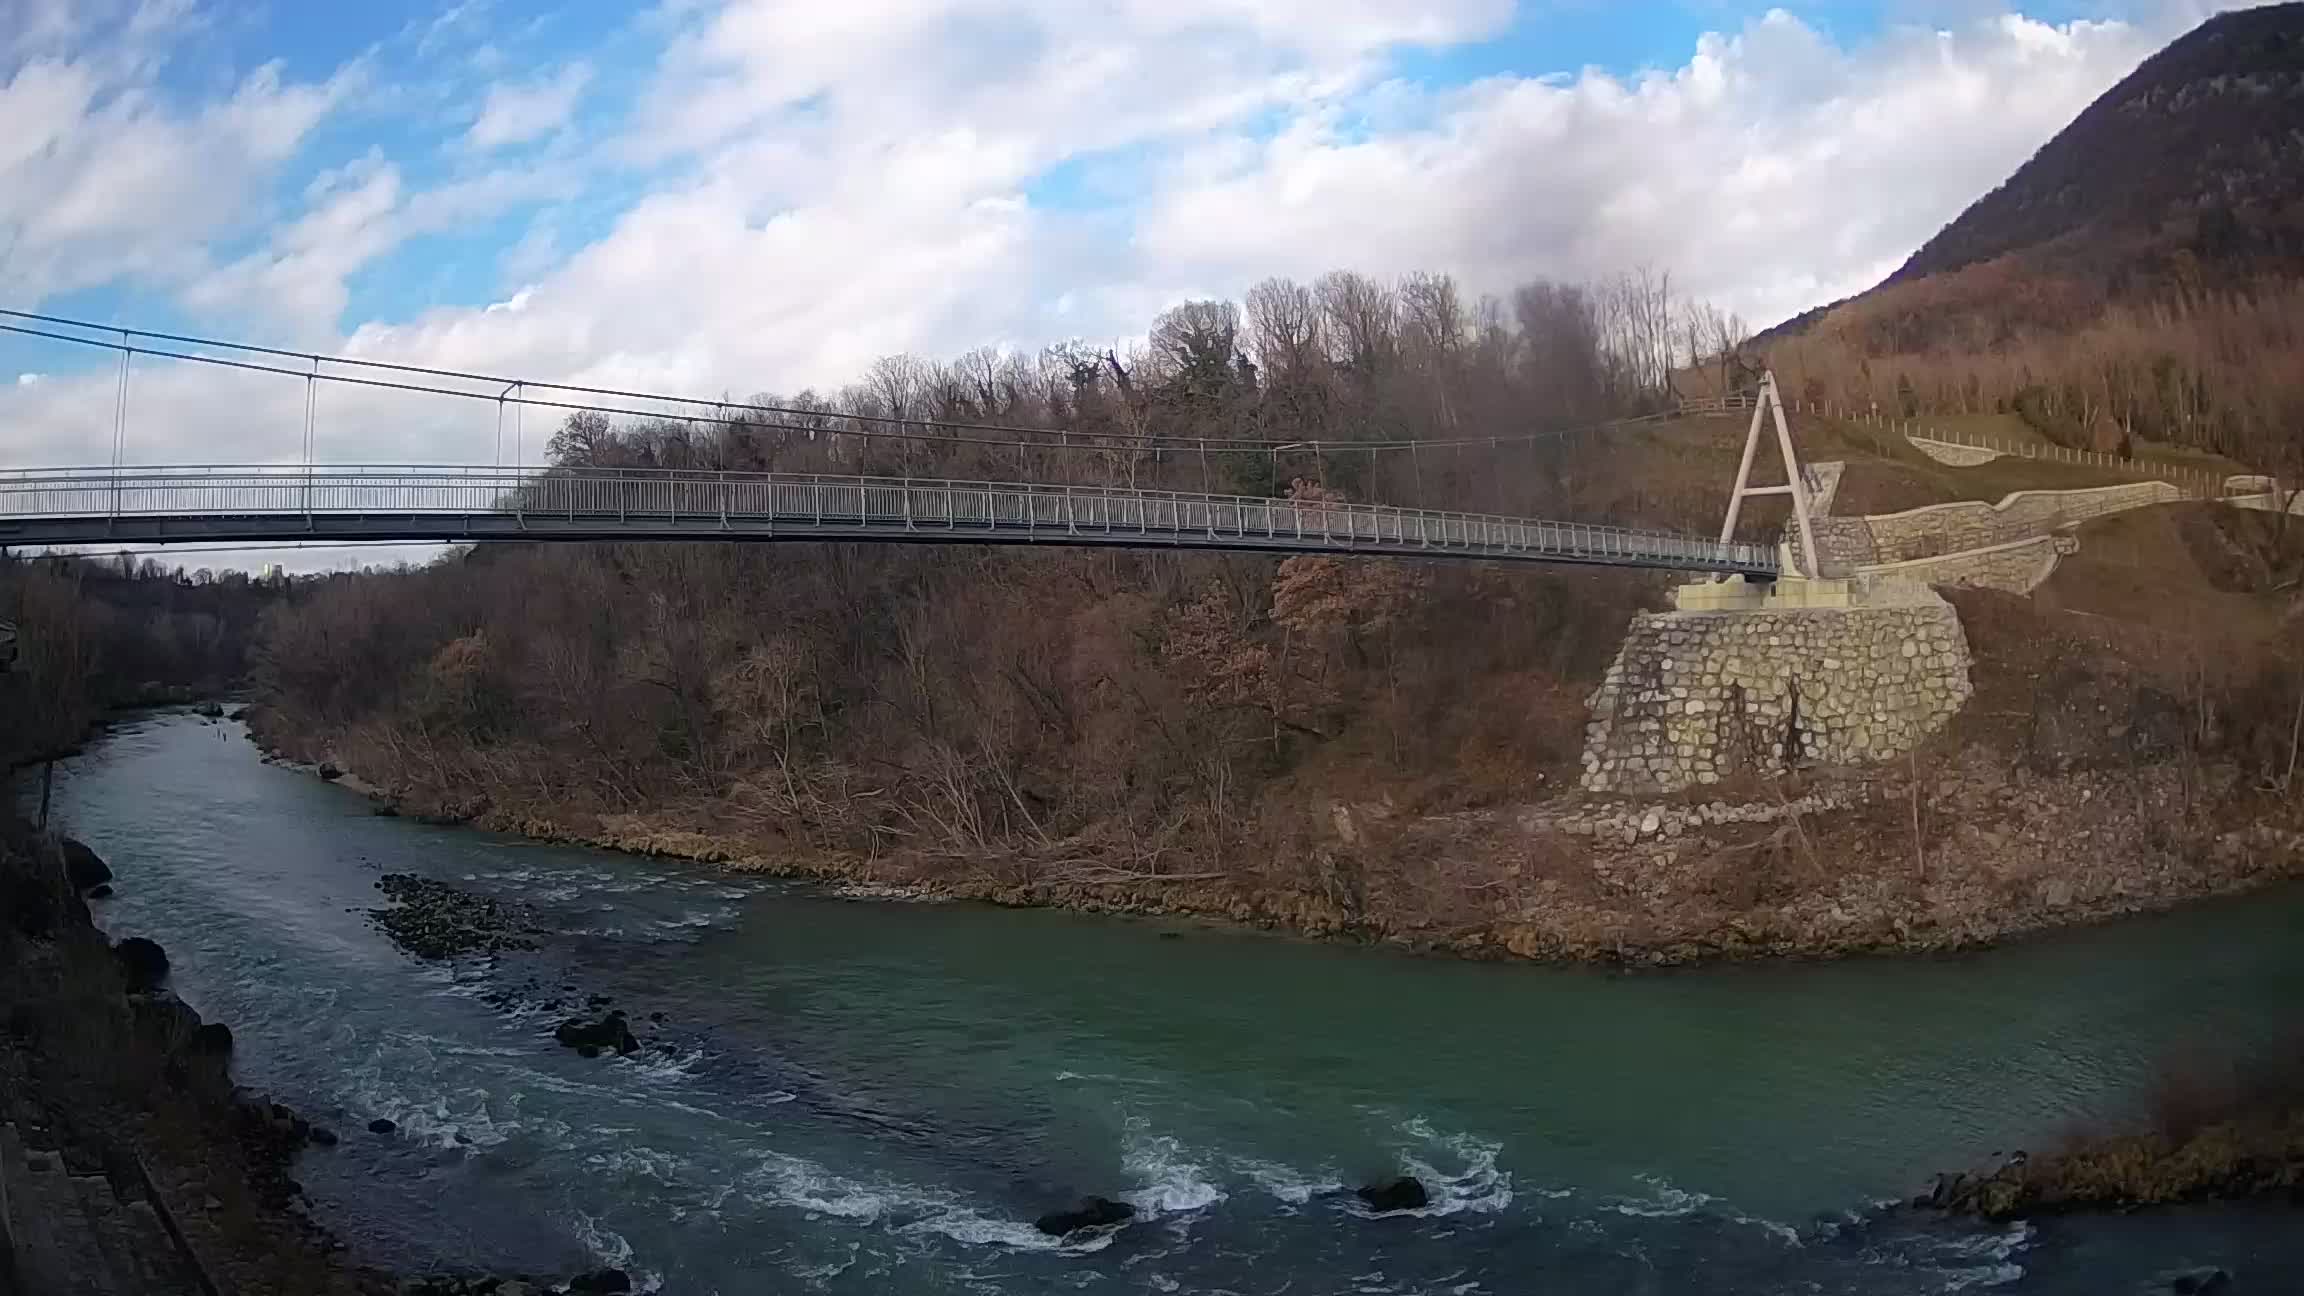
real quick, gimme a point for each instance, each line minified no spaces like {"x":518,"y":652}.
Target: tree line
{"x":99,"y":632}
{"x":2210,"y":368}
{"x":1056,"y":713}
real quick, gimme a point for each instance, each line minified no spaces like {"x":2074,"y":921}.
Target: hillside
{"x":2188,"y":173}
{"x":2194,"y":163}
{"x":2141,"y":279}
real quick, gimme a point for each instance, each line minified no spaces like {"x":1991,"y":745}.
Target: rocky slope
{"x":113,"y":1088}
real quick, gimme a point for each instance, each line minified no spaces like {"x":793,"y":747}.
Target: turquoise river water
{"x":865,"y":1097}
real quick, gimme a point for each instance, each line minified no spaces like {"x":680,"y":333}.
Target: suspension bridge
{"x":307,"y":501}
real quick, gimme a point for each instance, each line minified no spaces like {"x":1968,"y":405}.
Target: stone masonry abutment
{"x":1694,"y":697}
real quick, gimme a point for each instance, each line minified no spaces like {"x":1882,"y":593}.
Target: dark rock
{"x":100,"y":891}
{"x":2202,"y":1282}
{"x":601,"y":1282}
{"x":1171,"y":935}
{"x":213,"y":1039}
{"x":381,"y":1126}
{"x":597,"y":1001}
{"x":434,"y":920}
{"x":143,"y":962}
{"x":209,"y":710}
{"x":323,"y":1136}
{"x":587,"y":1050}
{"x":1093,"y":1213}
{"x":1399,"y":1195}
{"x":610,"y":1032}
{"x":237,"y":713}
{"x":385,"y":810}
{"x":656,"y":1017}
{"x":329,"y":772}
{"x":83,"y":868}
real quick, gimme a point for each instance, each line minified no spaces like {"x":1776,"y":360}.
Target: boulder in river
{"x":1402,"y":1194}
{"x":603,"y":1282}
{"x":381,"y":1126}
{"x":143,"y":962}
{"x":100,"y":891}
{"x":2202,"y":1282}
{"x":83,"y":868}
{"x":610,"y":1032}
{"x":213,"y":1039}
{"x":1092,"y":1213}
{"x":329,"y":772}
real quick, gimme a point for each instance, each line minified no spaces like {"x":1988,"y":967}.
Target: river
{"x":879,"y":1098}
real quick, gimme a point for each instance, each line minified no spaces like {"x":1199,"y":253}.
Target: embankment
{"x":2078,"y":784}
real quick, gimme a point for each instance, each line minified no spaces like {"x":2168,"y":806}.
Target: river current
{"x":859,"y":1097}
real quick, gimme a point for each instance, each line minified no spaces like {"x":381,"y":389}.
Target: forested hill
{"x":2194,"y":162}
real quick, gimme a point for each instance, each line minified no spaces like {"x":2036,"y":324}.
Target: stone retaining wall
{"x":1633,"y":821}
{"x":1846,"y":543}
{"x":1696,"y":696}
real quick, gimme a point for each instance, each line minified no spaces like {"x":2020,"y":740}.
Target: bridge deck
{"x":382,"y":503}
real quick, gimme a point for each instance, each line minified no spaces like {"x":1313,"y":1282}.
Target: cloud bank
{"x":787,"y":190}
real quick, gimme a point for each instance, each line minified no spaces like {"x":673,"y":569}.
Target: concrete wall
{"x":1696,"y":696}
{"x":2269,"y":501}
{"x":2017,"y":567}
{"x":1953,"y":453}
{"x":1970,"y":524}
{"x":1823,"y":480}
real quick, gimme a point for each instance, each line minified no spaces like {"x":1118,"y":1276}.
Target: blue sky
{"x":766,"y":195}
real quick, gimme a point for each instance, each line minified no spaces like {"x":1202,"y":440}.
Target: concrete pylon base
{"x":1785,"y":593}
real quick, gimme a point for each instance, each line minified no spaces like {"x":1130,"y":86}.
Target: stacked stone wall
{"x":1694,"y":697}
{"x":1845,"y":542}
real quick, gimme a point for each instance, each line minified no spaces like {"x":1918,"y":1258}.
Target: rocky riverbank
{"x":104,"y":1069}
{"x":2253,"y":1159}
{"x":2215,"y":1134}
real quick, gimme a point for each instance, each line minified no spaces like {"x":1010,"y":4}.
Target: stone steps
{"x":74,"y":1236}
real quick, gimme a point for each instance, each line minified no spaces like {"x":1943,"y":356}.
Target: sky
{"x":748,"y":196}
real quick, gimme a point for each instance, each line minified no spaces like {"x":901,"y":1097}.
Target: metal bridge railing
{"x":608,"y":500}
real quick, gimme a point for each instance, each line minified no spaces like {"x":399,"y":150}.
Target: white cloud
{"x":1772,"y":171}
{"x":101,"y":176}
{"x":862,"y":170}
{"x":519,"y":113}
{"x":837,"y":182}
